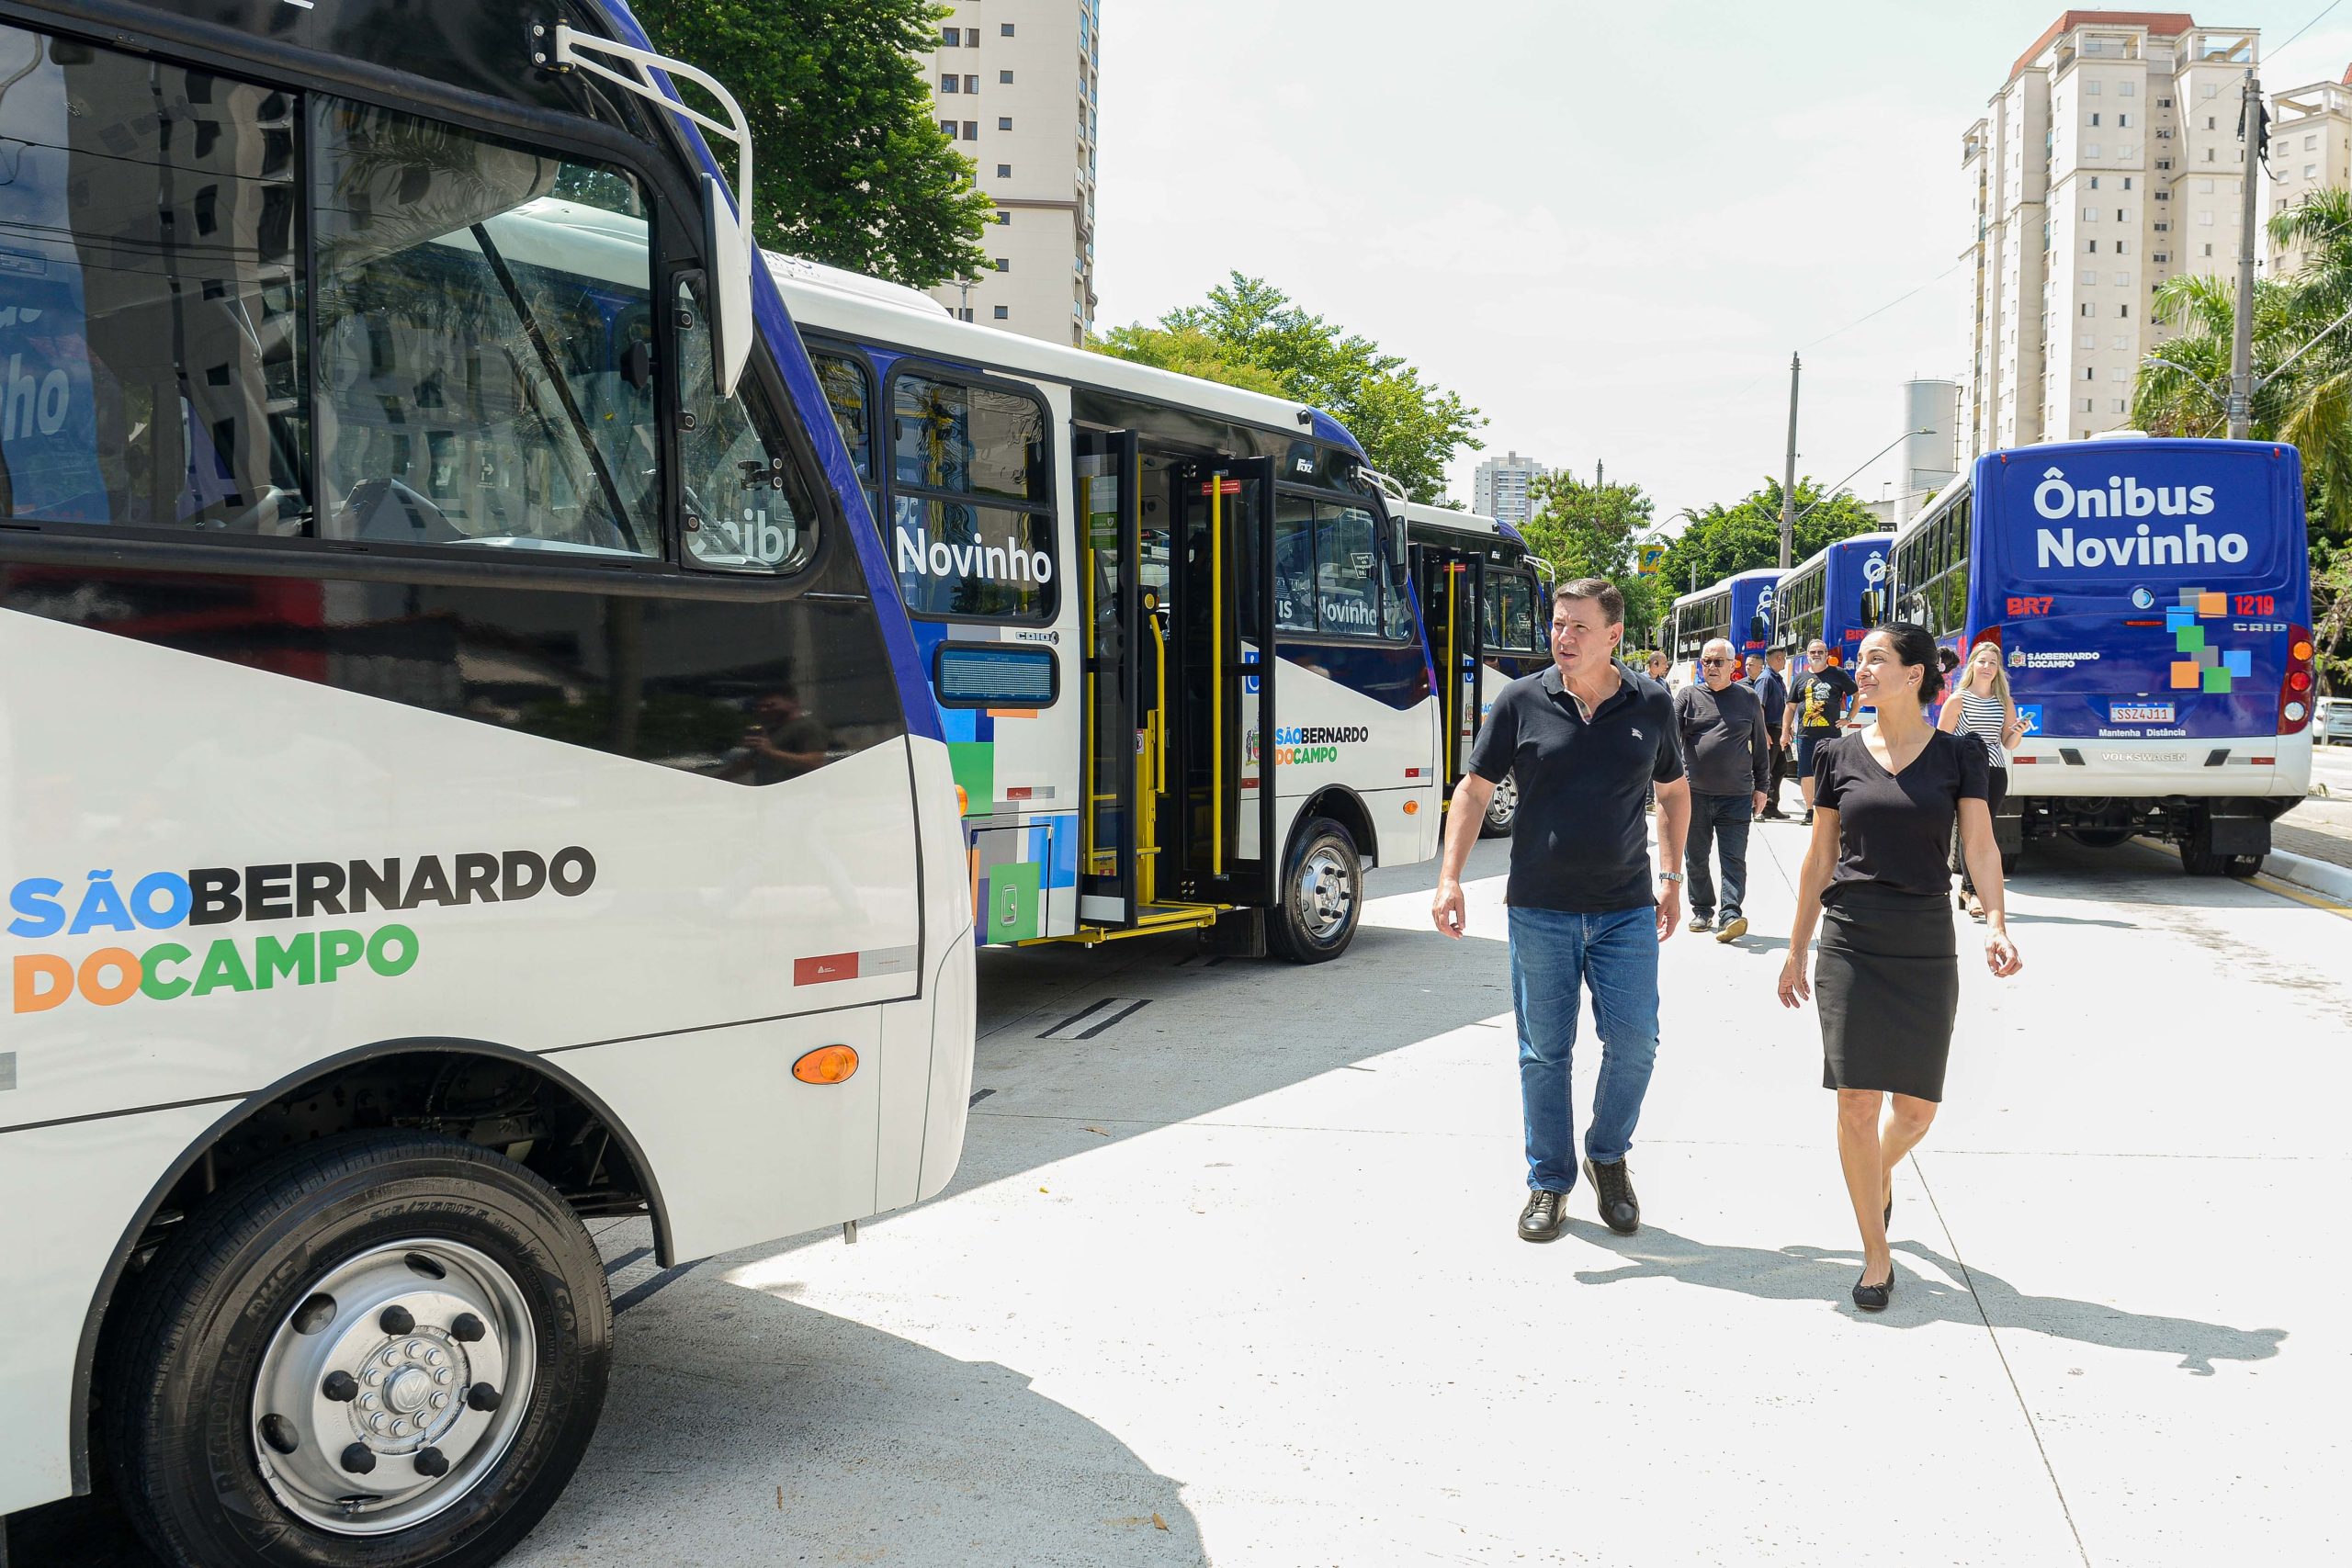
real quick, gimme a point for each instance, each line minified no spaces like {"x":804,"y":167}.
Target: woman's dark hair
{"x":1915,"y":646}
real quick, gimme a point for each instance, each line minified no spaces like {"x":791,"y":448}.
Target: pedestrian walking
{"x":1983,"y":707}
{"x":1770,"y":683}
{"x":1886,"y":800}
{"x":1657,"y":666}
{"x":1727,"y":759}
{"x":1816,"y":711}
{"x":1583,"y":740}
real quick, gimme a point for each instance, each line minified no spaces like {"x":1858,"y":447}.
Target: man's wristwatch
{"x":1669,"y":876}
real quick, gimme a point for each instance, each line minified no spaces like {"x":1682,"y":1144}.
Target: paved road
{"x":1234,"y":1281}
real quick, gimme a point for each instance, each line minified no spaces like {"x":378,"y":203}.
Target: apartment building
{"x":1015,"y":85}
{"x":2311,"y":150}
{"x":2109,"y":161}
{"x":1500,"y":489}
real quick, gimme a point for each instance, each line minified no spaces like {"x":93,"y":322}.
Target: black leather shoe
{"x":1613,"y":1186}
{"x":1874,"y":1298}
{"x":1543,"y":1216}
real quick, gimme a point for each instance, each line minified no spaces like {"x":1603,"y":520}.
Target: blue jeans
{"x":1553,"y":955}
{"x":1718,"y":820}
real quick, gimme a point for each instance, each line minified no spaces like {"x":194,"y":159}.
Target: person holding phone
{"x":1983,"y":707}
{"x":1887,"y":978}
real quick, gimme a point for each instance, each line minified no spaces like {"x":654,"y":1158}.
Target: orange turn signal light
{"x":2301,"y":650}
{"x":963,"y":801}
{"x":826,"y":1064}
{"x":1411,"y":807}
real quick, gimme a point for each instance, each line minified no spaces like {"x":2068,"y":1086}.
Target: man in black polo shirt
{"x":1585,"y":739}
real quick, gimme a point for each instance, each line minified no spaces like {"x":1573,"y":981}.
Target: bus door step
{"x":1152,"y":920}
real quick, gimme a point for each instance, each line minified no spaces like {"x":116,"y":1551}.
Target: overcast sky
{"x":1606,"y":227}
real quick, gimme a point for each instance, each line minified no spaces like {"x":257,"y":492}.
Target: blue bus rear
{"x":1751,"y":610}
{"x":2152,"y":600}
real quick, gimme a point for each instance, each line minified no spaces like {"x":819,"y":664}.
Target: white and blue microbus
{"x":1166,"y":624}
{"x":2151,"y":603}
{"x":1487,"y":604}
{"x":464,"y":766}
{"x":1738,"y":609}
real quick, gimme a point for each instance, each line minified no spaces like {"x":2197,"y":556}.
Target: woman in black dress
{"x":1884,"y":802}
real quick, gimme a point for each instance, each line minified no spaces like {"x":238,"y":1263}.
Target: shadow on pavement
{"x":792,"y":1435}
{"x":1827,"y":1275}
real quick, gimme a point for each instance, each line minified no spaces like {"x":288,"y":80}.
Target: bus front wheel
{"x":381,"y":1347}
{"x":1322,"y":897}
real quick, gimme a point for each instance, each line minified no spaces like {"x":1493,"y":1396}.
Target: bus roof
{"x":1820,"y":558}
{"x":1722,"y":583}
{"x":870,"y":310}
{"x":1420,"y":513}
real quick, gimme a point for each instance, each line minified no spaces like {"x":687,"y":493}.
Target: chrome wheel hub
{"x":1326,"y":893}
{"x":393,"y":1387}
{"x":1505,"y":805}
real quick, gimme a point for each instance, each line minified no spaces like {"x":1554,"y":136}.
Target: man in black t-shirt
{"x":1816,"y":711}
{"x":1585,"y":741}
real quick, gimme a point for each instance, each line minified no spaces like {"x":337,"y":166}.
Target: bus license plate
{"x":2140,"y":713}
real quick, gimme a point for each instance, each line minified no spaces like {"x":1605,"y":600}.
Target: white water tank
{"x":1931,"y":452}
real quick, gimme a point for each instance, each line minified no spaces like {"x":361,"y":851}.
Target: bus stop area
{"x":1227,"y":1276}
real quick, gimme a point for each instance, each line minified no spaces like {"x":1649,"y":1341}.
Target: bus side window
{"x":479,"y":373}
{"x":1349,"y":571}
{"x":152,"y":294}
{"x":971,"y":501}
{"x":850,"y":394}
{"x":1293,"y":563}
{"x":747,"y":504}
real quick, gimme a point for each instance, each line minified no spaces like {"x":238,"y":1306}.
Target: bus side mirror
{"x":728,"y":253}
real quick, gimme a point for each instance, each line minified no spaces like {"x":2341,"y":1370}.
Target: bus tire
{"x":1322,"y":896}
{"x":364,"y":1255}
{"x":2100,"y":837}
{"x":1501,"y":811}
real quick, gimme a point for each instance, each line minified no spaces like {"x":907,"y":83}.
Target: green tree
{"x":1188,"y":351}
{"x":1597,"y":531}
{"x":1746,"y":536}
{"x":851,"y":169}
{"x":1250,"y":334}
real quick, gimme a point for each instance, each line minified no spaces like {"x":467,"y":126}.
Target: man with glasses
{"x":1817,"y":712}
{"x":1726,"y":752}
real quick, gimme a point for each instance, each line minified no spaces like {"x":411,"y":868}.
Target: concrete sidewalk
{"x":1235,"y":1282}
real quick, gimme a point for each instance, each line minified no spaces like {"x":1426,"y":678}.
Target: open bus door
{"x":1452,"y":581}
{"x":1218,"y":816}
{"x":1121,"y":663}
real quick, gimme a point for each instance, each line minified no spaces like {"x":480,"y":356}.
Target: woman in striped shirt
{"x":1981,"y":706}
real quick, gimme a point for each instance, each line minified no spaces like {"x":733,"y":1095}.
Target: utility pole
{"x":1597,"y":469}
{"x":2241,"y":405}
{"x":1788,"y":483}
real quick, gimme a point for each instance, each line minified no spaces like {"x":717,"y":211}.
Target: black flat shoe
{"x":1874,"y":1298}
{"x":1613,"y":1186}
{"x":1542,"y":1217}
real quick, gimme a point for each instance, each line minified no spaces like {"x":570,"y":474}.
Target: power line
{"x":1882,"y":309}
{"x":2312,"y":23}
{"x":1898,"y":300}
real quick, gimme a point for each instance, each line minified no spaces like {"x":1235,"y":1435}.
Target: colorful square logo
{"x":2201,"y":667}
